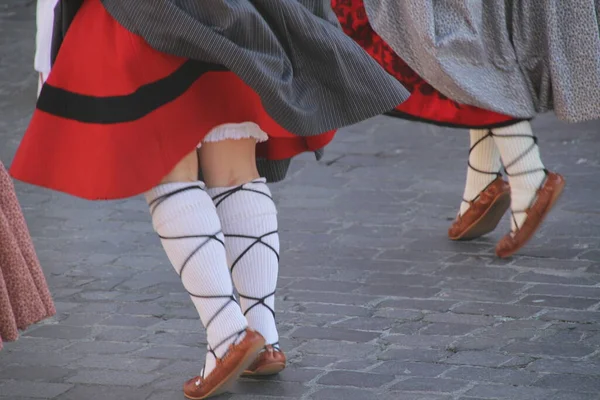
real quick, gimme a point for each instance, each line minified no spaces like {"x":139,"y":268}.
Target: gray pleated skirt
{"x":517,"y":57}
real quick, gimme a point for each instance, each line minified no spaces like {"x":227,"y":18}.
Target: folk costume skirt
{"x":24,"y":295}
{"x":137,"y":84}
{"x":517,"y":57}
{"x":426,"y":103}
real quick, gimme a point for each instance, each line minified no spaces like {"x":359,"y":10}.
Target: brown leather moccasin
{"x":237,"y":359}
{"x":484,"y":213}
{"x":546,"y":197}
{"x":270,"y":361}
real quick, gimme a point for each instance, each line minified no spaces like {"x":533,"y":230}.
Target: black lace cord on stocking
{"x":516,"y":160}
{"x":154,"y":204}
{"x":498,"y":174}
{"x":256,"y":240}
{"x":220,"y":198}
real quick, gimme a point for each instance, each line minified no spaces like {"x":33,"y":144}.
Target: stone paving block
{"x":381,"y":278}
{"x":11,"y":397}
{"x":313,"y":361}
{"x":35,"y":373}
{"x":131,"y":320}
{"x":494,"y":309}
{"x":330,"y":298}
{"x":518,"y":362}
{"x":292,"y":374}
{"x":84,"y":319}
{"x":480,"y":343}
{"x":422,"y":341}
{"x":472,"y":398}
{"x":366,"y":324}
{"x":496,"y":296}
{"x":338,"y":349}
{"x":344,"y":393}
{"x":118,"y":334}
{"x":100,"y":308}
{"x":558,"y":302}
{"x":258,"y":388}
{"x":575,"y":396}
{"x":560,"y":264}
{"x":102,"y":348}
{"x":570,"y":383}
{"x":409,"y":328}
{"x":496,"y":375}
{"x":446,"y":329}
{"x":190,"y":325}
{"x":62,"y":306}
{"x":355,"y":379}
{"x":419,"y":305}
{"x":39,"y":358}
{"x":61,"y":332}
{"x":551,"y":335}
{"x":174,"y":395}
{"x":34,"y":344}
{"x":409,"y":255}
{"x":509,"y":392}
{"x":593,"y":340}
{"x":398,"y":315}
{"x":571,"y":279}
{"x":37,"y":390}
{"x":179,"y":338}
{"x":497,"y":287}
{"x":294,"y":318}
{"x":566,"y":290}
{"x":572,"y":316}
{"x":478,"y":272}
{"x":404,"y":368}
{"x":319,"y":285}
{"x":414,"y":354}
{"x":334,"y":334}
{"x":438,"y":385}
{"x":478,"y":358}
{"x":451,"y":318}
{"x":117,"y":362}
{"x":117,"y":378}
{"x":549,"y":349}
{"x":516,"y":329}
{"x":355,"y":365}
{"x":399,"y":291}
{"x":418,"y":396}
{"x":105,"y":392}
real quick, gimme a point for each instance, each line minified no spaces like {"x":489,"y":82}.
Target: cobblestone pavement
{"x":374,"y":301}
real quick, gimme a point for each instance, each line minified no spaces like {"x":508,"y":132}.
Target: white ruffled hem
{"x":244,"y":130}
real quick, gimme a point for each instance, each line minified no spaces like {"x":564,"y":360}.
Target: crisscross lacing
{"x":255,"y":240}
{"x":157,"y":202}
{"x":531,"y":171}
{"x":498,"y":174}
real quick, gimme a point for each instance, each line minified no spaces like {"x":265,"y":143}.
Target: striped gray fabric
{"x":517,"y":57}
{"x":310,"y":76}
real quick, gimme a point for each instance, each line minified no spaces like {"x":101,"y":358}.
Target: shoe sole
{"x":228,"y":382}
{"x":488,"y":221}
{"x":553,"y":200}
{"x":267,"y":370}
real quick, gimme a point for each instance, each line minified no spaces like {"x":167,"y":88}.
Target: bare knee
{"x":228,"y":162}
{"x":186,"y":170}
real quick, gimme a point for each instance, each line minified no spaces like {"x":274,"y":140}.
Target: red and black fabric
{"x":426,"y":104}
{"x":115,"y":115}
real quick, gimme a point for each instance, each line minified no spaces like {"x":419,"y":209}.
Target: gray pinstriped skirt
{"x":310,"y":76}
{"x":517,"y":57}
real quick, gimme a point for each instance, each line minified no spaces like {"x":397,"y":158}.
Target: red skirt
{"x":425,"y":104}
{"x":115,"y":115}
